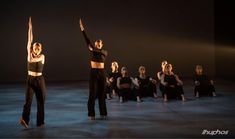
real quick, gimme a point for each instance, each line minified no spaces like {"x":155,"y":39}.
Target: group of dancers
{"x":102,"y":87}
{"x":170,"y":85}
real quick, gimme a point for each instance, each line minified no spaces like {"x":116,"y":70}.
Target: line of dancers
{"x":119,"y":83}
{"x":171,"y":86}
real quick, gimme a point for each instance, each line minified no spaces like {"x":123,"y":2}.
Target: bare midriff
{"x":97,"y":65}
{"x":31,"y":73}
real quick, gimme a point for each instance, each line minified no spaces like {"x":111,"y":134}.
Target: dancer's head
{"x":164,"y":62}
{"x":168,"y":68}
{"x":199,"y":69}
{"x":114,"y":66}
{"x":142,"y":70}
{"x":124,"y":71}
{"x":98,"y":44}
{"x":37,"y":48}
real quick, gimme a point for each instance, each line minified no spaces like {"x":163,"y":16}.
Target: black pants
{"x":129,"y":94}
{"x":96,"y":89}
{"x":204,"y":90}
{"x":173,"y":92}
{"x":147,"y":90}
{"x":35,"y":85}
{"x":110,"y":87}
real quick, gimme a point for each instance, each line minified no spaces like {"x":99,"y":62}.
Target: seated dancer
{"x":147,"y":85}
{"x":111,"y":80}
{"x":97,"y":76}
{"x":35,"y":81}
{"x":126,"y":85}
{"x":172,"y":85}
{"x":203,"y":85}
{"x":159,"y":74}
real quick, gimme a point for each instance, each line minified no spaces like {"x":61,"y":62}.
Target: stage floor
{"x":66,"y":114}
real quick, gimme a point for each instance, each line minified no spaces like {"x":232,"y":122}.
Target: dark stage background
{"x":142,"y":32}
{"x":225,"y":39}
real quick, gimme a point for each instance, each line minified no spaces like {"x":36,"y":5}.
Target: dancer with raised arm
{"x":97,"y":76}
{"x":35,"y":81}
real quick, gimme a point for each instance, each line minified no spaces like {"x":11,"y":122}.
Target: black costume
{"x":113,"y":85}
{"x":172,"y":92}
{"x":35,"y":84}
{"x":97,"y":80}
{"x":127,"y":93}
{"x":205,"y":88}
{"x":146,"y":87}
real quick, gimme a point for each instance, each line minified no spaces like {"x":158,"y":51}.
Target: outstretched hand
{"x":30,"y":22}
{"x":81,"y":25}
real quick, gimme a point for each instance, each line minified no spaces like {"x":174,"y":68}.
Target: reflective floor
{"x":66,"y":114}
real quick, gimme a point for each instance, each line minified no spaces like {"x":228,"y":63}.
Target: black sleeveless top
{"x":125,"y":80}
{"x":35,"y":66}
{"x":170,"y":79}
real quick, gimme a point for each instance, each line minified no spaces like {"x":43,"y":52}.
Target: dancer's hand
{"x":197,"y":83}
{"x":81,"y":25}
{"x":30,"y":23}
{"x":111,"y":79}
{"x":153,"y":81}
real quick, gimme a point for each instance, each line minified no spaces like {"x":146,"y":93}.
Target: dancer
{"x":111,"y":87}
{"x":203,"y":85}
{"x":173,"y":86}
{"x":147,"y":85}
{"x":35,"y":81}
{"x":159,"y":74}
{"x":126,"y":85}
{"x":97,"y":76}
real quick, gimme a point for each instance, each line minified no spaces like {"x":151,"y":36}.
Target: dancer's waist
{"x":97,"y":65}
{"x":35,"y":74}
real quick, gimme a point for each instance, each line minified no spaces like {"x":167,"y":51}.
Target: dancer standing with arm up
{"x":97,"y":76}
{"x":35,"y":81}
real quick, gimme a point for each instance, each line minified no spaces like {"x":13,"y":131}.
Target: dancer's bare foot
{"x":91,"y":117}
{"x":138,"y":99}
{"x":23,"y":123}
{"x":121,"y":100}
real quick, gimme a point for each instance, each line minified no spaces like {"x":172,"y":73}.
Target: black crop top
{"x":35,"y":66}
{"x":97,"y":55}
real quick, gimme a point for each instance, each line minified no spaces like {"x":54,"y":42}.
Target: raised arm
{"x":30,"y":38}
{"x":85,"y":35}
